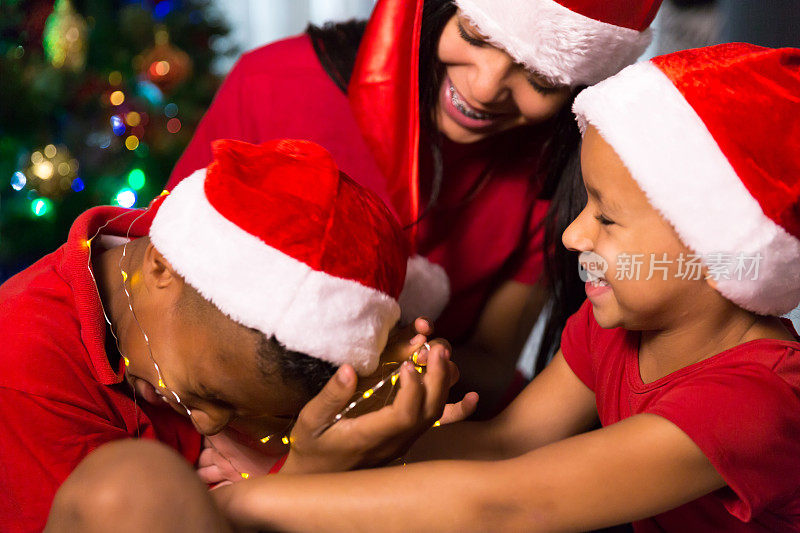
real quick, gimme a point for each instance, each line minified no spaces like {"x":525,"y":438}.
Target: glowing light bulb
{"x":124,"y":276}
{"x":368,"y":393}
{"x":126,"y":198}
{"x":171,"y":110}
{"x":18,"y":181}
{"x":117,"y":125}
{"x":285,"y":440}
{"x":437,"y":423}
{"x":132,"y":142}
{"x":395,"y":377}
{"x":40,"y":206}
{"x":245,"y":475}
{"x":266,"y":439}
{"x":161,"y":383}
{"x":116,"y":98}
{"x":127,"y":361}
{"x":43,"y":170}
{"x":174,"y":125}
{"x":133,"y":119}
{"x":136,"y":179}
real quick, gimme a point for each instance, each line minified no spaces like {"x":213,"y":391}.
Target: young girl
{"x":691,"y":166}
{"x":457,"y":114}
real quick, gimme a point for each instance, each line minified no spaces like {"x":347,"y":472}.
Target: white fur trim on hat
{"x":677,"y":163}
{"x":565,"y":47}
{"x":308,"y":311}
{"x":426,"y":290}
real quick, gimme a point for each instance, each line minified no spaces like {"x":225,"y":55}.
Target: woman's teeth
{"x":465,"y":108}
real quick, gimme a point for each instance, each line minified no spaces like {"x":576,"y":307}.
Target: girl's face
{"x":649,"y":283}
{"x":484,"y":91}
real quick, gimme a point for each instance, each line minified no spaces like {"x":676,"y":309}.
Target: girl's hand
{"x":228,"y":455}
{"x":374,"y":438}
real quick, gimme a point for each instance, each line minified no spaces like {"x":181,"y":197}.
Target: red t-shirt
{"x":482,"y":232}
{"x":741,"y":407}
{"x":60,"y":397}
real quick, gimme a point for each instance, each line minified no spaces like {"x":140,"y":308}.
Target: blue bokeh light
{"x":18,"y":181}
{"x":117,"y":125}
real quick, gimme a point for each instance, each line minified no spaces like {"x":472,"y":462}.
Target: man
{"x":233,"y":299}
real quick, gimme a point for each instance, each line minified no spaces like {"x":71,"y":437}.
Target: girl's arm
{"x":631,"y":470}
{"x":556,"y":405}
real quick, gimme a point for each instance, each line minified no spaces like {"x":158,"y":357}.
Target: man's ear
{"x":158,"y":274}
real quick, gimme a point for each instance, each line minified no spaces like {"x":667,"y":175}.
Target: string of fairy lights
{"x":391,"y":379}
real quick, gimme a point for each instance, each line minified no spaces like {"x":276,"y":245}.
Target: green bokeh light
{"x":136,"y":179}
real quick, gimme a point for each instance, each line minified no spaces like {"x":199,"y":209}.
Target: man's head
{"x":219,"y":369}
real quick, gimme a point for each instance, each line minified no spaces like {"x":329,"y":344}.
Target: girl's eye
{"x":473,"y":41}
{"x":603,"y":220}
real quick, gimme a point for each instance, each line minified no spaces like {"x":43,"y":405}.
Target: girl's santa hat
{"x":281,"y":241}
{"x":711,"y":137}
{"x":569,"y":42}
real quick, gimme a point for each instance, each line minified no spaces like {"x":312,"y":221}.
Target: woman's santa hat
{"x":569,"y":42}
{"x":281,"y":241}
{"x":711,"y":137}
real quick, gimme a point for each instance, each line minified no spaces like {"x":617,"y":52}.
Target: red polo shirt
{"x":60,"y":397}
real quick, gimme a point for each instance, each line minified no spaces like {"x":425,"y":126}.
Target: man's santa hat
{"x":569,"y":42}
{"x":711,"y":137}
{"x":281,"y":241}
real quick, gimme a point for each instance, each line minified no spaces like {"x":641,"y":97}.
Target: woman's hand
{"x":226,"y":456}
{"x":374,"y":438}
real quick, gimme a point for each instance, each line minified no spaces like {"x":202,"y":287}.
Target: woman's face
{"x":484,"y":91}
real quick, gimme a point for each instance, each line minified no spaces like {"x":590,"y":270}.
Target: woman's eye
{"x":543,"y":89}
{"x":604,"y":220}
{"x":474,"y":41}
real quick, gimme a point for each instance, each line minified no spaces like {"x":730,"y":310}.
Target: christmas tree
{"x":99,"y":99}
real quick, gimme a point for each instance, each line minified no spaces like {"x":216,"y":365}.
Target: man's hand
{"x":374,"y":438}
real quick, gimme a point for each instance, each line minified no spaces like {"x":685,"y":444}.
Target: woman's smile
{"x":468,"y":116}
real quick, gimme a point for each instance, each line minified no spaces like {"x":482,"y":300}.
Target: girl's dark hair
{"x":336,"y":45}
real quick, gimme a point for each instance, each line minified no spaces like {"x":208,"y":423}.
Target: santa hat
{"x":711,"y":137}
{"x":281,"y":241}
{"x":384,"y":95}
{"x":569,"y":42}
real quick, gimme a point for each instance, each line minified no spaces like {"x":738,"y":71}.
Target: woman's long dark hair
{"x":336,"y":45}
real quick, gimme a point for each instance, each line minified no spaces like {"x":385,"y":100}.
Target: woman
{"x":457,"y":114}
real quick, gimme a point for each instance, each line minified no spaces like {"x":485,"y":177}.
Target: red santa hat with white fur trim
{"x":711,"y":137}
{"x":569,"y":42}
{"x":281,"y":241}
